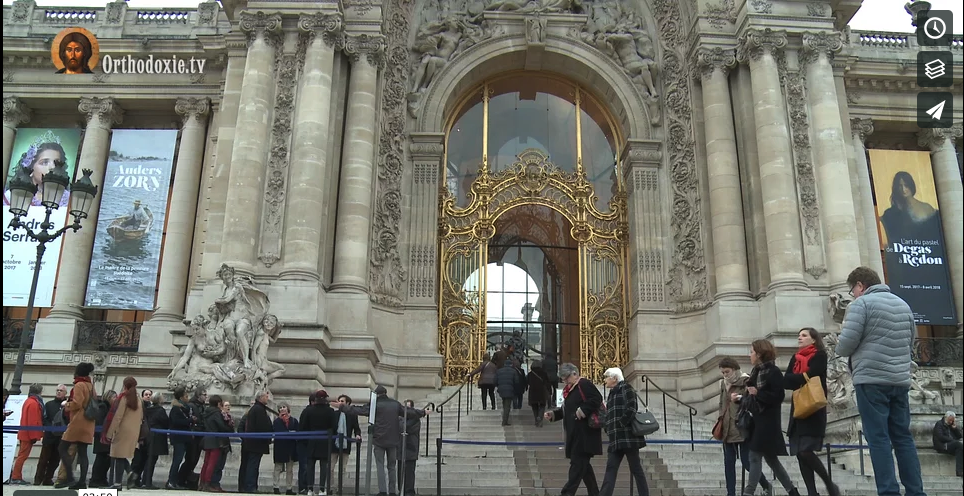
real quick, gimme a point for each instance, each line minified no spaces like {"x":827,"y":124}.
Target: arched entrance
{"x":531,"y":180}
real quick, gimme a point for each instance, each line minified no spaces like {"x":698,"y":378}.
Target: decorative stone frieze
{"x":822,"y":43}
{"x":15,"y":112}
{"x":709,"y":60}
{"x":862,"y":128}
{"x":372,"y":46}
{"x":641,"y":174}
{"x":259,"y":24}
{"x":329,"y":26}
{"x":721,"y":14}
{"x":192,"y":110}
{"x":103,"y":112}
{"x":937,"y":138}
{"x":426,"y":151}
{"x":755,"y":42}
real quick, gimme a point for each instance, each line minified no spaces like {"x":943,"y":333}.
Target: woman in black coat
{"x":285,"y":449}
{"x":319,"y":416}
{"x":213,"y":420}
{"x":806,"y":434}
{"x":156,"y":418}
{"x":98,"y":474}
{"x":539,"y":389}
{"x":581,"y":400}
{"x":622,"y":406}
{"x":766,"y":394}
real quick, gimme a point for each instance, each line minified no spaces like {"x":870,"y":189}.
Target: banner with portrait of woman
{"x":911,"y":234}
{"x":37,"y":151}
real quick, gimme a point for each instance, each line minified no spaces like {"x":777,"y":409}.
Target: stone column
{"x":861,"y":128}
{"x":726,"y":196}
{"x":102,"y":114}
{"x":249,"y":156}
{"x":642,"y":160}
{"x":353,"y":224}
{"x":950,"y":196}
{"x":175,"y":266}
{"x":830,"y":153}
{"x":15,"y":113}
{"x":777,"y":181}
{"x":309,"y":157}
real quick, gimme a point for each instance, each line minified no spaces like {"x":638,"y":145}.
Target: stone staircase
{"x":538,"y":467}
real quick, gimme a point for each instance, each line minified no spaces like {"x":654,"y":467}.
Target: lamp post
{"x":22,"y":192}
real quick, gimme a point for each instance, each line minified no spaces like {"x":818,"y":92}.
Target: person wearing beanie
{"x":386,"y":435}
{"x":80,"y":429}
{"x":947,"y":439}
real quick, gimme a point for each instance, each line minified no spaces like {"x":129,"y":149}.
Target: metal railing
{"x":938,"y":352}
{"x":13,"y":329}
{"x":692,"y":411}
{"x":108,"y":336}
{"x":440,"y":410}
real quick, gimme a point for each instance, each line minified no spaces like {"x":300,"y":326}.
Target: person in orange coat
{"x":80,"y":429}
{"x":32,"y":415}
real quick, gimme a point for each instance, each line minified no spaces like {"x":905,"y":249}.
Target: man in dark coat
{"x":622,"y":406}
{"x":257,"y":421}
{"x":49,"y":457}
{"x":302,"y":449}
{"x":386,"y":435}
{"x":156,"y":418}
{"x":539,"y":389}
{"x":411,"y":427}
{"x":318,"y":417}
{"x":180,"y":420}
{"x":581,"y":399}
{"x":192,"y":456}
{"x":506,"y":383}
{"x":947,"y":439}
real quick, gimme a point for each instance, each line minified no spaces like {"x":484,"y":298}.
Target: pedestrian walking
{"x":539,"y":389}
{"x":581,"y":400}
{"x":122,"y":429}
{"x":878,"y":332}
{"x":732,"y":386}
{"x":806,"y":434}
{"x":412,"y":427}
{"x":486,"y":372}
{"x":507,"y":382}
{"x":622,"y":406}
{"x":80,"y":429}
{"x":764,"y":398}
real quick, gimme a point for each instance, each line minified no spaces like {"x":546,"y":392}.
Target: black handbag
{"x":744,"y":417}
{"x":644,"y":423}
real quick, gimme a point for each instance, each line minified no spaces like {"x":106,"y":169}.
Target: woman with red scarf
{"x":285,"y":450}
{"x":806,"y":434}
{"x":80,"y":429}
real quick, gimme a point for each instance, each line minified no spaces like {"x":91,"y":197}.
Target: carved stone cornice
{"x":709,"y":60}
{"x":370,"y":45}
{"x":15,"y":112}
{"x":815,"y":44}
{"x":329,"y":26}
{"x":642,"y":153}
{"x":192,"y":110}
{"x":254,"y":24}
{"x":755,"y":42}
{"x":105,"y":112}
{"x":936,"y":138}
{"x":862,"y":128}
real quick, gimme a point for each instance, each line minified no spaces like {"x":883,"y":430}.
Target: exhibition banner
{"x":912,"y":236}
{"x":37,"y":151}
{"x":133,"y":205}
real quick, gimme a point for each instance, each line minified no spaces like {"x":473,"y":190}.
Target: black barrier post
{"x":400,"y":460}
{"x":438,"y":466}
{"x":371,"y":449}
{"x":665,"y":424}
{"x":739,"y":458}
{"x":692,"y":435}
{"x":829,"y":464}
{"x":860,"y":449}
{"x":428,"y":433}
{"x":327,"y":485}
{"x":341,"y":463}
{"x":458,"y":418}
{"x":358,"y":468}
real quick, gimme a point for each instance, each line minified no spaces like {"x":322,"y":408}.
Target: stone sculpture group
{"x":228,"y":348}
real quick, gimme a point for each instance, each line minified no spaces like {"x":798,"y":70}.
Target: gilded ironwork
{"x":108,"y":336}
{"x":465,"y":233}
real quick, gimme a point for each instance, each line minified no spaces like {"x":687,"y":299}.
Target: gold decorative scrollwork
{"x":464,"y":234}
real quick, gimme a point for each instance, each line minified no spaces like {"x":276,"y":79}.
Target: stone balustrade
{"x":114,"y":20}
{"x":876,"y":40}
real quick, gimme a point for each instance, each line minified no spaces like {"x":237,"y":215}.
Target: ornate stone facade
{"x":313,"y":151}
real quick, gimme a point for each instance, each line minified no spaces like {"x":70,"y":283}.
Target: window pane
{"x":464,"y":150}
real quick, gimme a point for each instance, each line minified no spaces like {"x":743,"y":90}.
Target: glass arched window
{"x":531,"y":110}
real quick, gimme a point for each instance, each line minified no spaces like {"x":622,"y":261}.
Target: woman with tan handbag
{"x":806,"y":375}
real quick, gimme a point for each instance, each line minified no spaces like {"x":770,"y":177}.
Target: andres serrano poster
{"x":912,"y":236}
{"x":127,"y":246}
{"x":36,"y":151}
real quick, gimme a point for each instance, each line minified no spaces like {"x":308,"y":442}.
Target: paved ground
{"x":14,"y":491}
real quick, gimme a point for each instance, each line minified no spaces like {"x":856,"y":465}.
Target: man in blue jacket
{"x":878,"y":332}
{"x":507,"y":383}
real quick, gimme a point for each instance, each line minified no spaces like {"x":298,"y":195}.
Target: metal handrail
{"x":440,"y":410}
{"x":692,"y":411}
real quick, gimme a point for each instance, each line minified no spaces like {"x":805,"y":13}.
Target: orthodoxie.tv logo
{"x":76,"y":50}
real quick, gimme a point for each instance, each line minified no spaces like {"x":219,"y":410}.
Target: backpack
{"x":58,"y":421}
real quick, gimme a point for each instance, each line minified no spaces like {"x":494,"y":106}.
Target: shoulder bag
{"x":718,"y":426}
{"x":809,"y":399}
{"x":644,"y":422}
{"x":598,"y":419}
{"x":91,"y":410}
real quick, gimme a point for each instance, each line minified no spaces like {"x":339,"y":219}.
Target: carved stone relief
{"x":15,"y":112}
{"x":718,"y":15}
{"x":815,"y":9}
{"x":207,"y":13}
{"x":21,"y":9}
{"x":687,"y":284}
{"x":426,"y":151}
{"x":388,"y":274}
{"x":114,"y":12}
{"x":762,"y":6}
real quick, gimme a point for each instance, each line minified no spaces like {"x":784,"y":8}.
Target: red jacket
{"x":32,"y":416}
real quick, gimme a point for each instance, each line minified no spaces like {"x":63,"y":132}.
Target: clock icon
{"x":934,"y":28}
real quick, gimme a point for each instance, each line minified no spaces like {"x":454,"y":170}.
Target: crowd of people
{"x":128,"y":432}
{"x":878,"y":331}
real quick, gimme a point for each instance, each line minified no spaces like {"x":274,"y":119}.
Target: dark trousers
{"x":120,"y":466}
{"x":98,"y":474}
{"x":69,"y":461}
{"x":409,"y":489}
{"x":731,"y":453}
{"x":191,"y":458}
{"x":612,"y":470}
{"x":488,"y":392}
{"x":539,"y":411}
{"x":506,"y":408}
{"x":139,"y":462}
{"x":243,"y":469}
{"x":302,"y":467}
{"x":180,"y":449}
{"x":956,"y":448}
{"x":251,"y":471}
{"x":147,"y":475}
{"x":47,"y":464}
{"x":322,"y":473}
{"x":580,"y":471}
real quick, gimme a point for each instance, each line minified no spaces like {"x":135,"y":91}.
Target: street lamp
{"x":22,"y":192}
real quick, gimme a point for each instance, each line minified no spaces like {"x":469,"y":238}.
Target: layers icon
{"x":935,"y":69}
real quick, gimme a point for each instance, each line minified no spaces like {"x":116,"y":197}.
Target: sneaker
{"x":277,"y":491}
